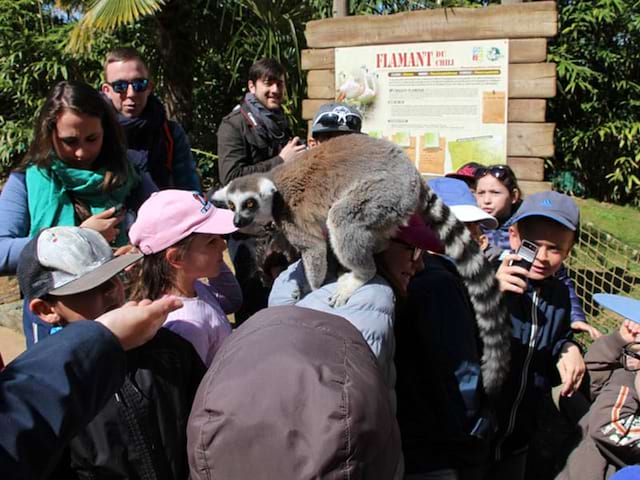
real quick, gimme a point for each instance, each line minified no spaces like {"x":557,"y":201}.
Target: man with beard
{"x":254,"y":137}
{"x":162,"y":142}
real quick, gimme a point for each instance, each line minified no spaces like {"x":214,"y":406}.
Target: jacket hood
{"x":293,"y":393}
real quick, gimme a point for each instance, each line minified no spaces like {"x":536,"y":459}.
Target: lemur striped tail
{"x":482,"y":286}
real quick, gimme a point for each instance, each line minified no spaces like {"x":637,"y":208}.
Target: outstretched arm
{"x":52,"y":391}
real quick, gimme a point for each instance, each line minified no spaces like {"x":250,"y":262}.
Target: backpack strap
{"x":248,"y":116}
{"x":170,"y":146}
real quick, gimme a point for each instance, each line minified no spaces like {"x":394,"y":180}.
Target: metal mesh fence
{"x":600,"y":263}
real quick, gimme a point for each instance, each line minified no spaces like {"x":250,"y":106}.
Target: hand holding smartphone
{"x":516,"y":282}
{"x":527,"y":253}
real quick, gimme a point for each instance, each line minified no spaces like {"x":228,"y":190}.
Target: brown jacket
{"x":293,"y":394}
{"x":611,"y":429}
{"x":242,"y":152}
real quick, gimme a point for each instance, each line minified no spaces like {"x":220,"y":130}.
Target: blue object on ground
{"x":629,"y":308}
{"x":627,"y":473}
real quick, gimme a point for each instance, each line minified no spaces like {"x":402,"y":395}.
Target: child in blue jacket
{"x":540,"y":311}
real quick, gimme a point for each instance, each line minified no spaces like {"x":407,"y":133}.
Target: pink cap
{"x":171,"y":215}
{"x":420,"y":235}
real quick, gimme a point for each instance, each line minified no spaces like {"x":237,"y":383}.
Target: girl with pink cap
{"x":180,"y":235}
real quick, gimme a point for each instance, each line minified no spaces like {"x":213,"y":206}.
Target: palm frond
{"x":107,"y":15}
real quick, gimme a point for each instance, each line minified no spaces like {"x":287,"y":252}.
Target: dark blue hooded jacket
{"x":51,"y":392}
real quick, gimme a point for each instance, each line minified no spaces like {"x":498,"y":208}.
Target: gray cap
{"x":556,"y":206}
{"x":68,"y":260}
{"x":336,"y":117}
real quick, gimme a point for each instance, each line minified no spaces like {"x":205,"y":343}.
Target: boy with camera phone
{"x":542,"y":232}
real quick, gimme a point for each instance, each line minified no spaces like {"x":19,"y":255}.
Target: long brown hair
{"x":81,"y":98}
{"x":154,"y":276}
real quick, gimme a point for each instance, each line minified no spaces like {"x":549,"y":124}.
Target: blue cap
{"x":556,"y":206}
{"x":627,"y":473}
{"x":626,"y":307}
{"x":457,"y":196}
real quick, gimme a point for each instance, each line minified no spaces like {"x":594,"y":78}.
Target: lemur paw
{"x":301,"y":290}
{"x":347,"y":284}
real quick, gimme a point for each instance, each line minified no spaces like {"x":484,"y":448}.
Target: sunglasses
{"x":337,"y":117}
{"x":416,"y":251}
{"x":498,"y":171}
{"x":139,"y":85}
{"x":628,"y":353}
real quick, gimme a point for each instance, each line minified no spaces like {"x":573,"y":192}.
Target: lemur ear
{"x":267,"y":188}
{"x":219,"y":197}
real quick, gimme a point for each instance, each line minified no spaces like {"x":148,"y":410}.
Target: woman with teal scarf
{"x":77,"y":172}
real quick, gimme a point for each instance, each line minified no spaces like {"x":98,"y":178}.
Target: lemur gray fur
{"x":353,"y":192}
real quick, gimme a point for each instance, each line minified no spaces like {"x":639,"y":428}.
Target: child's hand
{"x":629,"y":331}
{"x":136,"y":323}
{"x":580,"y":326}
{"x":512,"y":278}
{"x":571,"y":367}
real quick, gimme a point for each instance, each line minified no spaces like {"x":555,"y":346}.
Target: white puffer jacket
{"x":370,"y":309}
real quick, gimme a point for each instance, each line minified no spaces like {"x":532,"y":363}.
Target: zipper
{"x":525,"y":369}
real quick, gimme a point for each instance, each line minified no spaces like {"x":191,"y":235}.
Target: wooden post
{"x":340,"y":8}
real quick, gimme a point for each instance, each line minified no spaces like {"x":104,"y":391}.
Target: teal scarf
{"x":49,"y":192}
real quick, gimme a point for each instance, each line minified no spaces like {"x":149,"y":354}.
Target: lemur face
{"x":250,"y":200}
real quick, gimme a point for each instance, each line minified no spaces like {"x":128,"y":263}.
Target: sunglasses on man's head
{"x":139,"y":85}
{"x":498,"y":171}
{"x":339,"y":117}
{"x":631,"y":351}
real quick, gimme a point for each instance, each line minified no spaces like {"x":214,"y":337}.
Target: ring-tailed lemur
{"x":354,"y":192}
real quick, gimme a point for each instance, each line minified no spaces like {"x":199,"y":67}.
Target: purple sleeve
{"x":192,"y":333}
{"x":577,"y":314}
{"x":14,"y":222}
{"x":226,"y":289}
{"x":202,"y":323}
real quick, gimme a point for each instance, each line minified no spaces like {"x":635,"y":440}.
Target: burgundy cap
{"x":420,"y":235}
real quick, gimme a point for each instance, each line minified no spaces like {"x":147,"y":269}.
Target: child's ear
{"x":514,"y":237}
{"x":44,"y":310}
{"x":515,"y":196}
{"x":173,"y":257}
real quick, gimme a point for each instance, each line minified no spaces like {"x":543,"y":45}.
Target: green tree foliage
{"x":33,"y":37}
{"x":596,"y":109}
{"x":200,"y":51}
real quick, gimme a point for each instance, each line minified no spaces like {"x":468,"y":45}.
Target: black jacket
{"x":141,"y":432}
{"x":241,"y":151}
{"x":439,"y":385}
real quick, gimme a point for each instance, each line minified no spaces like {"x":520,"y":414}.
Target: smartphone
{"x":527,"y":253}
{"x":120,"y":209}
